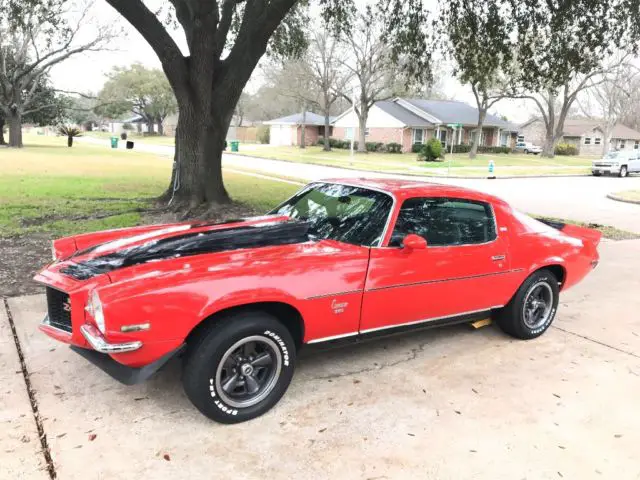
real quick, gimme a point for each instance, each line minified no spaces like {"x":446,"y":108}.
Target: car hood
{"x":177,"y":241}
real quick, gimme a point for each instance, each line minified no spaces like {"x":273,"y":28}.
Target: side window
{"x":445,"y":221}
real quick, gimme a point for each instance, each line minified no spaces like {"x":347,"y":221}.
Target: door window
{"x":445,"y":221}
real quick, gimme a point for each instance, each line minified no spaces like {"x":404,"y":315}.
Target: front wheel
{"x":526,"y":152}
{"x":533,"y":307}
{"x":623,"y":171}
{"x":239,"y":368}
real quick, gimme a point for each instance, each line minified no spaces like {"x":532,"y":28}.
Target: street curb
{"x":474,"y":177}
{"x":612,"y":196}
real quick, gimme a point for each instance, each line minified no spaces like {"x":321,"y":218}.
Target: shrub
{"x":487,"y":149}
{"x":431,"y":151}
{"x":394,"y":147}
{"x":416,"y":147}
{"x":263,"y":134}
{"x":70,"y":133}
{"x":374,"y":147}
{"x":127,"y":126}
{"x":463,"y":148}
{"x":566,"y":149}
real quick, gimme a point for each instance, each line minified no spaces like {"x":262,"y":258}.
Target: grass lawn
{"x":50,"y":188}
{"x":627,"y":195}
{"x":134,"y":136}
{"x":516,"y":164}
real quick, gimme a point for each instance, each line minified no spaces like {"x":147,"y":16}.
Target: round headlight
{"x":95,"y":308}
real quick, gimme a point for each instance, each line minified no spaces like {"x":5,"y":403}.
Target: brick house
{"x":587,"y":135}
{"x":414,"y":121}
{"x":286,"y":131}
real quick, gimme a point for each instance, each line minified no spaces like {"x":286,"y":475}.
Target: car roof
{"x":405,"y":188}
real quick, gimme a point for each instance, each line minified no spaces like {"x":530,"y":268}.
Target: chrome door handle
{"x":497,"y":258}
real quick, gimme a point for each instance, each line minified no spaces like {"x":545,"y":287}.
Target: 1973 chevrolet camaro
{"x":339,"y":261}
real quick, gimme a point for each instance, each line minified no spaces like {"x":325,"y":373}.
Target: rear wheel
{"x":596,"y":174}
{"x":526,"y":152}
{"x":623,"y":171}
{"x":239,"y":368}
{"x":533,"y":307}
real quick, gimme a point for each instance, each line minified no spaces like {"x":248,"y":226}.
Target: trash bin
{"x":129,"y":145}
{"x":234,"y":146}
{"x":114,"y":142}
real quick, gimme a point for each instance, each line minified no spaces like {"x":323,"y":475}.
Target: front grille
{"x":602,"y":164}
{"x":59,"y":308}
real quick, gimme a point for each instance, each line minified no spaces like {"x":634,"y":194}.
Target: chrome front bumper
{"x":99,"y":344}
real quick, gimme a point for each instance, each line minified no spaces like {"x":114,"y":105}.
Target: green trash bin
{"x":114,"y":142}
{"x":234,"y":146}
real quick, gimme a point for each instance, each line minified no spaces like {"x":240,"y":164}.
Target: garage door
{"x":280,"y":135}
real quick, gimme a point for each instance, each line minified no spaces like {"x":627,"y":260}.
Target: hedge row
{"x":370,"y":146}
{"x":566,"y":149}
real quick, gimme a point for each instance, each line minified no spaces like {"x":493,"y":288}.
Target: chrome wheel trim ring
{"x":265,"y":388}
{"x":539,"y":320}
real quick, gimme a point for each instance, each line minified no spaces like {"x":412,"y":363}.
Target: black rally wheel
{"x":533,"y":307}
{"x":240,"y":367}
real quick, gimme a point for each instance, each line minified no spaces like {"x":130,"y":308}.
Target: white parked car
{"x":620,"y":163}
{"x":527,"y":147}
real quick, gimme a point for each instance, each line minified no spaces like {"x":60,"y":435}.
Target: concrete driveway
{"x":453,"y":403}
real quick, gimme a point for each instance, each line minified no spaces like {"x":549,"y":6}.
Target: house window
{"x":366,"y":132}
{"x":520,"y":138}
{"x":348,"y":133}
{"x":597,"y":140}
{"x":637,"y":145}
{"x":418,"y":136}
{"x":587,"y":140}
{"x":621,"y":144}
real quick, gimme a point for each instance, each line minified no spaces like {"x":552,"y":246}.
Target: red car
{"x":341,"y":260}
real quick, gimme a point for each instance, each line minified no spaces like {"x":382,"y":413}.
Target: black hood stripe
{"x":193,"y":243}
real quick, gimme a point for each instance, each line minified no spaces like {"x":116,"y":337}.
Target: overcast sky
{"x":86,"y":72}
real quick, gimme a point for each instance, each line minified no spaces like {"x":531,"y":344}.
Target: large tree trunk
{"x":2,"y":142}
{"x":160,"y":127}
{"x":549,"y":147}
{"x":150,"y":126}
{"x":482,"y":114}
{"x":15,"y":130}
{"x":362,"y":131}
{"x":327,"y":128}
{"x":200,"y":138}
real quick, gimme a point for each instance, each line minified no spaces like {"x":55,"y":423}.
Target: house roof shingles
{"x":296,"y":119}
{"x":451,"y":111}
{"x":578,"y":127}
{"x":402,"y":114}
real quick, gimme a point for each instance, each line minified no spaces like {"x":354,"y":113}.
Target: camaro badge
{"x":66,"y":306}
{"x":338,"y":307}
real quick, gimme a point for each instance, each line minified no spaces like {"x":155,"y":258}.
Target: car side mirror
{"x":414,"y":242}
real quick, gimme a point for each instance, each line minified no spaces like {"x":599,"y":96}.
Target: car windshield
{"x":340,"y":212}
{"x":612,"y":155}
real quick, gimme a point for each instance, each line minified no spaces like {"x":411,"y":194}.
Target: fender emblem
{"x":338,"y":307}
{"x":66,"y":306}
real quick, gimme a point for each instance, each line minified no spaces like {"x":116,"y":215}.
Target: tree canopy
{"x":138,"y":90}
{"x":225,"y":40}
{"x":36,"y":35}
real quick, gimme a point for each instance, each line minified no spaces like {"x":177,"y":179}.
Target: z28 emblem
{"x":66,"y":306}
{"x":338,"y":307}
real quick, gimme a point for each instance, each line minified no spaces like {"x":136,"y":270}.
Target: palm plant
{"x":69,"y":132}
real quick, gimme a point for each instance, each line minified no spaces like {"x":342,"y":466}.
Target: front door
{"x":464,"y":269}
